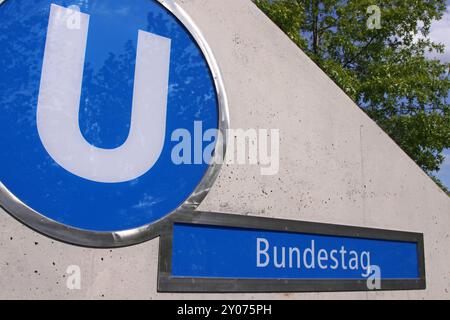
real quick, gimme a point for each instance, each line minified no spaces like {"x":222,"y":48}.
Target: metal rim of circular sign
{"x":117,"y":239}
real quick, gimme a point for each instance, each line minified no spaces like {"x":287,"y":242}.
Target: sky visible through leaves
{"x":440,"y":32}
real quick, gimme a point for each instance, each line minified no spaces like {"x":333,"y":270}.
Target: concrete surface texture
{"x":336,"y":166}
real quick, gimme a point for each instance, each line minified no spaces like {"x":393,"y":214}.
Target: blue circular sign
{"x":99,"y":102}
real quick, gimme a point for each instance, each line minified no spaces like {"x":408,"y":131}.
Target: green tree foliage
{"x":440,"y":184}
{"x":384,"y":69}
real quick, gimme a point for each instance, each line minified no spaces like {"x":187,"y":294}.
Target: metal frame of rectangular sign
{"x":168,"y":283}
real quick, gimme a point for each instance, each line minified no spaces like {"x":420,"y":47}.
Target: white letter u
{"x":59,"y":103}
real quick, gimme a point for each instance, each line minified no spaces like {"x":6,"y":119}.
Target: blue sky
{"x":444,"y":174}
{"x":440,"y":32}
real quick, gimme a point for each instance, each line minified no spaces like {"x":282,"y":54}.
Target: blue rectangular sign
{"x":204,"y":251}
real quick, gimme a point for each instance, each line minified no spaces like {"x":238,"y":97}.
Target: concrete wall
{"x":336,"y":166}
